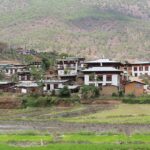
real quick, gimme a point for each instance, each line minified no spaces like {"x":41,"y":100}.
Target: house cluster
{"x":108,"y":75}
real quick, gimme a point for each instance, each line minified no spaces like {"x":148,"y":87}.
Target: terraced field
{"x":103,"y":126}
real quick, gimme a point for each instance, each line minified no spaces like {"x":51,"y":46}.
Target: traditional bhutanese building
{"x":102,"y":76}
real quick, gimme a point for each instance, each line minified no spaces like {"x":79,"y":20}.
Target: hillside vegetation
{"x":114,"y":28}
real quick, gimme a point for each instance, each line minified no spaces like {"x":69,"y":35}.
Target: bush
{"x":34,"y":101}
{"x":64,"y":92}
{"x":121,"y":94}
{"x":137,"y":100}
{"x":114,"y":95}
{"x":89,"y":91}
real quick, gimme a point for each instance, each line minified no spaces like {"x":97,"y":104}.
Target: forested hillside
{"x":92,"y":28}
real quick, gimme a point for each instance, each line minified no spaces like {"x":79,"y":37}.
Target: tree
{"x":45,"y":64}
{"x":64,"y":92}
{"x":37,"y":73}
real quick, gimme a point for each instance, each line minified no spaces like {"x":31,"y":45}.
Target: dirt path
{"x":60,"y":127}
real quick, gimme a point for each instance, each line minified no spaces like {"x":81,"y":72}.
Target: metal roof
{"x":5,"y":82}
{"x":101,"y":69}
{"x":27,"y":84}
{"x":55,"y":81}
{"x":141,"y":62}
{"x":102,"y":61}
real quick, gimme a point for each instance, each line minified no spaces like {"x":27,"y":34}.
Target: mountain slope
{"x":116,"y":28}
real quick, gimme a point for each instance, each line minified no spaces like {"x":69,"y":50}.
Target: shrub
{"x":89,"y":91}
{"x":34,"y":101}
{"x":121,"y":94}
{"x":114,"y":95}
{"x":64,"y":92}
{"x":137,"y":100}
{"x":53,"y":93}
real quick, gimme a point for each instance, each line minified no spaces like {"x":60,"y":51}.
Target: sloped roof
{"x":136,"y":82}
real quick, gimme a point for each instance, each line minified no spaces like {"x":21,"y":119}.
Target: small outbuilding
{"x":6,"y":86}
{"x":28,"y":87}
{"x":135,"y":87}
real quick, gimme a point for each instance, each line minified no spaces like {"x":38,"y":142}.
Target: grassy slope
{"x":123,"y":114}
{"x":83,"y":26}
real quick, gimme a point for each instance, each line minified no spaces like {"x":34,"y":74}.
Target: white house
{"x":101,"y":76}
{"x":50,"y":85}
{"x":69,"y":67}
{"x":13,"y":69}
{"x":140,"y":68}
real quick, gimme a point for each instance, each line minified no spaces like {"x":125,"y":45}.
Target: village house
{"x":28,"y":87}
{"x":24,"y":75}
{"x":50,"y":85}
{"x":137,"y":69}
{"x":140,"y":68}
{"x":6,"y":86}
{"x":69,"y":68}
{"x":13,"y":69}
{"x":134,"y":88}
{"x":102,"y":76}
{"x":36,"y":64}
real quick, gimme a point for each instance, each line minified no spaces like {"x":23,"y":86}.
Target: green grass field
{"x":77,"y":141}
{"x":81,"y":147}
{"x":121,"y":114}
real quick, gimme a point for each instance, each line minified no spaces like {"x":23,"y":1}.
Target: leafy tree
{"x":46,"y":63}
{"x":64,"y":92}
{"x":37,"y":73}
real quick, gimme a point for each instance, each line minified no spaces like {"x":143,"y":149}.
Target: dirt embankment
{"x":10,"y":102}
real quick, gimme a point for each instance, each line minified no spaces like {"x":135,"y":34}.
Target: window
{"x":141,"y":68}
{"x":109,"y":78}
{"x":48,"y":87}
{"x":135,"y":74}
{"x":100,"y":78}
{"x":146,"y":68}
{"x":55,"y":86}
{"x":100,"y":86}
{"x":135,"y":68}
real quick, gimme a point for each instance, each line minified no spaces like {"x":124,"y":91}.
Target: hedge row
{"x":45,"y":101}
{"x":137,"y":100}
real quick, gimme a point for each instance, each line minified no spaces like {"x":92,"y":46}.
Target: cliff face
{"x":114,"y":28}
